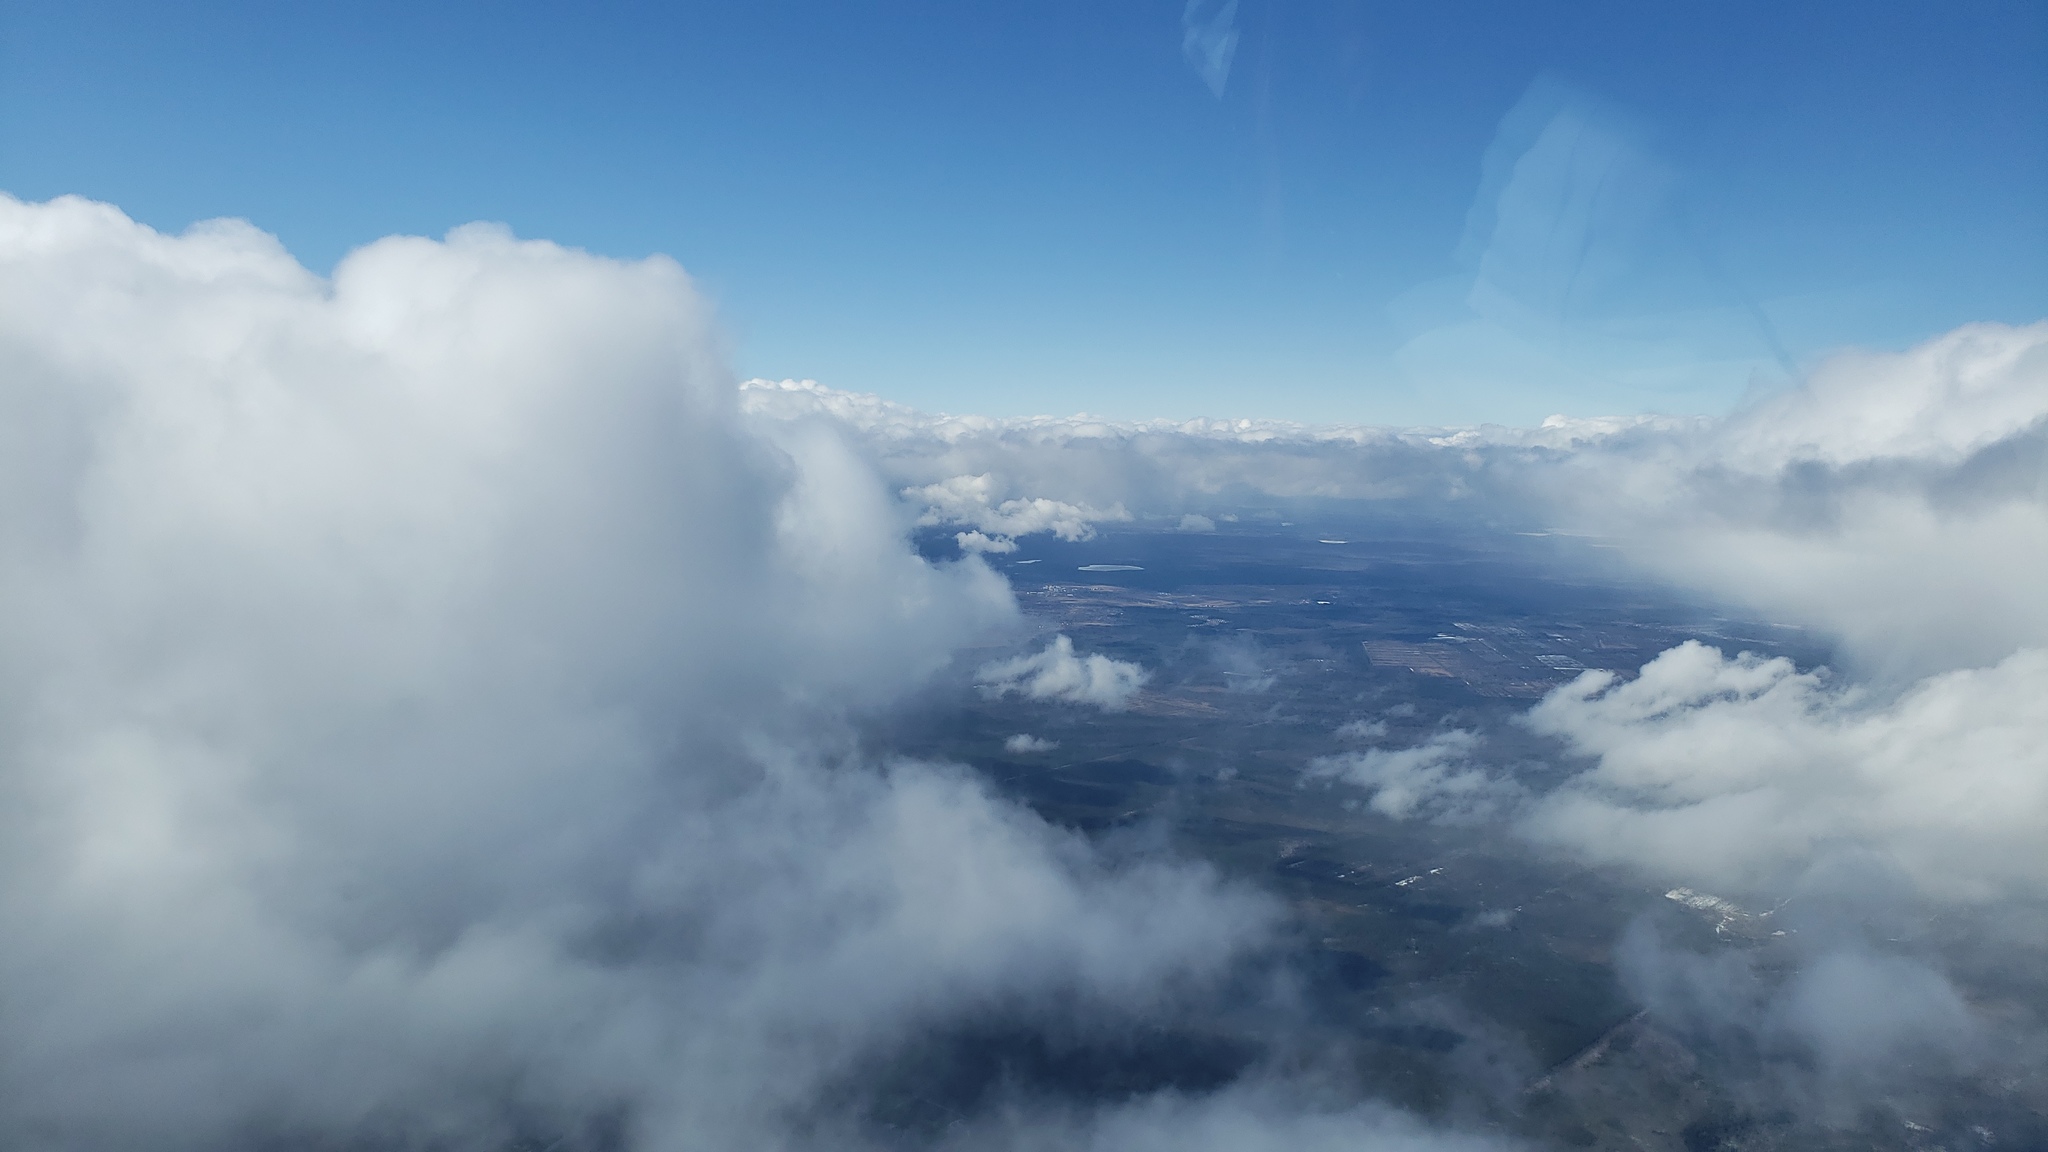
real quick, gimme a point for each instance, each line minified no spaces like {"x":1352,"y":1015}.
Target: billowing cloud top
{"x":398,"y":675}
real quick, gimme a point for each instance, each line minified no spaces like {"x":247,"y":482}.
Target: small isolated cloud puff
{"x":972,"y":500}
{"x":1058,"y":674}
{"x":1436,"y":777}
{"x":1193,"y":522}
{"x":1741,"y":771}
{"x":977,"y":542}
{"x":1024,"y":742}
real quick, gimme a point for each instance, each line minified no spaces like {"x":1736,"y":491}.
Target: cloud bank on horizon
{"x":427,"y":695}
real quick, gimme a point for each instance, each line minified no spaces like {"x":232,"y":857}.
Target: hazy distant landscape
{"x":1436,"y":962}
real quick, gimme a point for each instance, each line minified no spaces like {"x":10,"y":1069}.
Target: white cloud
{"x":1895,"y":500}
{"x":397,"y":673}
{"x":1191,"y":522}
{"x":1437,"y":777}
{"x":1058,"y":674}
{"x":1738,"y":771}
{"x":974,"y":500}
{"x":965,"y":467}
{"x":1743,"y":774}
{"x":1892,"y":504}
{"x":1025,"y":742}
{"x":976,"y":542}
{"x":1937,"y":402}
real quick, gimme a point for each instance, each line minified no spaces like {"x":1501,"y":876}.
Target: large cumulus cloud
{"x":418,"y":697}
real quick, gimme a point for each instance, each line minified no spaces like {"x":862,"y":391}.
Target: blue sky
{"x":1445,"y":212}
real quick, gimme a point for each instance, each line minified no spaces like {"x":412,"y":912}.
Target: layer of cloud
{"x":1898,"y":501}
{"x":1056,"y":673}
